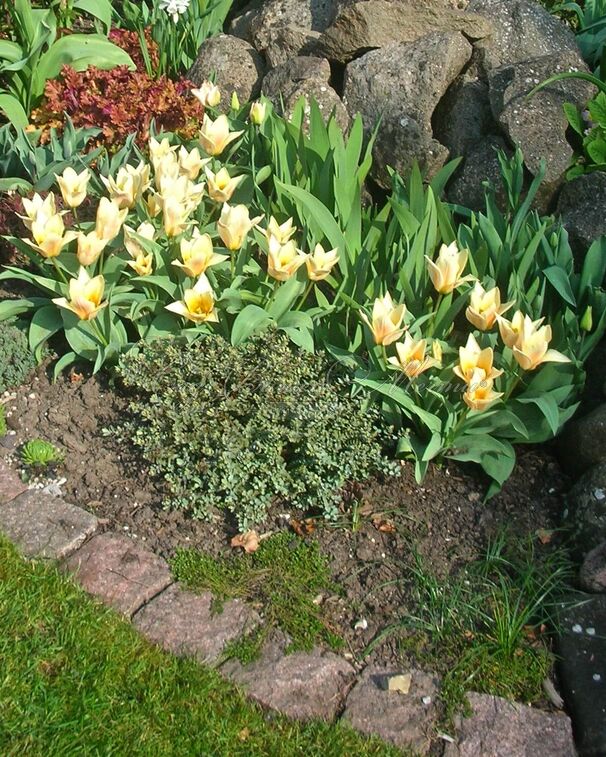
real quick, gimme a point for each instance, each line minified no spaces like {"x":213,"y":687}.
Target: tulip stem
{"x":305,"y":295}
{"x":99,"y":333}
{"x":59,"y":271}
{"x":512,"y":387}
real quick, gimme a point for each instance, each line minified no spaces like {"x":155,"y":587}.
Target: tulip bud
{"x":235,"y":102}
{"x":73,"y":186}
{"x":109,"y":219}
{"x":587,"y":319}
{"x":257,"y":113}
{"x":208,"y":94}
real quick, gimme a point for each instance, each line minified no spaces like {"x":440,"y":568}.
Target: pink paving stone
{"x":406,"y":720}
{"x":119,"y":572}
{"x":301,"y":685}
{"x":184,"y":623}
{"x":45,"y":527}
{"x":11,"y":485}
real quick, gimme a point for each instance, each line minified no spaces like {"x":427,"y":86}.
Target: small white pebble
{"x":32,"y":395}
{"x":383,"y":555}
{"x":125,"y":528}
{"x":426,"y":700}
{"x":597,"y":677}
{"x":577,"y":628}
{"x":590,"y":631}
{"x":599,"y":494}
{"x":361,"y":625}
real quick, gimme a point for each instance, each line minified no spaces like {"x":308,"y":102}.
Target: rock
{"x":185,"y":623}
{"x":499,"y":728}
{"x":592,"y":575}
{"x":236,"y":65}
{"x":581,"y":650}
{"x":119,"y":572}
{"x":580,"y":205}
{"x":240,"y":25}
{"x":401,"y":719}
{"x":582,"y":443}
{"x":587,"y":509}
{"x":286,"y":42}
{"x":402,"y":84}
{"x":45,"y":527}
{"x":11,"y":485}
{"x":522,"y":30}
{"x":304,"y":77}
{"x":538,"y":124}
{"x":315,"y":15}
{"x":480,"y":165}
{"x":370,"y":24}
{"x":301,"y":685}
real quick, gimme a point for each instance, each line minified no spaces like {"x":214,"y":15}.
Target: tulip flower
{"x":153,"y":203}
{"x":215,"y":135}
{"x":128,"y":186}
{"x":90,"y":246}
{"x":531,"y":348}
{"x":386,"y":324}
{"x":479,"y":393}
{"x":197,"y":254}
{"x":191,"y":163}
{"x":132,"y":244}
{"x":320,"y":263}
{"x":411,"y":358}
{"x":109,"y":219}
{"x":234,"y":224}
{"x":282,"y":232}
{"x":142,"y":264}
{"x":38,"y":207}
{"x":49,"y":235}
{"x":472,"y":357}
{"x":257,"y":113}
{"x":208,"y":94}
{"x":510,"y":330}
{"x":283,"y":260}
{"x":220,"y":185}
{"x":85,"y":295}
{"x":198,"y":304}
{"x":485,"y":307}
{"x":159,"y":150}
{"x":166,"y":167}
{"x":174,"y":217}
{"x":73,"y":186}
{"x":445,"y":273}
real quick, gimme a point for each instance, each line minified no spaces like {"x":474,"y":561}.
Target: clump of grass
{"x":39,"y":454}
{"x":284,"y":575}
{"x":486,"y":629}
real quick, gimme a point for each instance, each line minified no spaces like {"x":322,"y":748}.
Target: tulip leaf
{"x":100,"y":9}
{"x":64,"y":361}
{"x":11,"y":308}
{"x":404,"y":400}
{"x":45,"y":322}
{"x":548,"y":406}
{"x":285,"y":297}
{"x":249,"y":321}
{"x":559,"y":280}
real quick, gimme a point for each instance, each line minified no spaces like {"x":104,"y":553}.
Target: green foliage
{"x":284,"y":576}
{"x":16,"y":359}
{"x":485,"y":628}
{"x":3,"y":428}
{"x":34,"y":54}
{"x":590,"y":127}
{"x":589,"y":19}
{"x":38,"y":453}
{"x":179,"y":39}
{"x":237,"y":427}
{"x":77,"y":678}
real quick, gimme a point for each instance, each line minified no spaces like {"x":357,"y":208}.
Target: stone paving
{"x":301,"y":685}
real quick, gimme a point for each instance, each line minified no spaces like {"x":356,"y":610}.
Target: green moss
{"x":16,"y":359}
{"x":284,"y":575}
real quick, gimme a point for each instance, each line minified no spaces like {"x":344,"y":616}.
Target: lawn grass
{"x":76,"y":679}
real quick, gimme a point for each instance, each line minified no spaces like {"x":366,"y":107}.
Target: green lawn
{"x":75,"y":679}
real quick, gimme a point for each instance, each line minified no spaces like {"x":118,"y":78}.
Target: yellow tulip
{"x":174,"y":217}
{"x":208,"y":94}
{"x":166,"y":167}
{"x":191,"y":163}
{"x":386,"y":324}
{"x":257,"y":113}
{"x":85,"y":295}
{"x":128,"y":186}
{"x":485,"y":307}
{"x":234,"y":224}
{"x":90,"y":246}
{"x":531,"y":348}
{"x":159,"y":150}
{"x":510,"y":330}
{"x":411,"y":358}
{"x":38,"y":207}
{"x":73,"y":186}
{"x":142,"y":264}
{"x":132,"y":244}
{"x":282,"y":232}
{"x":198,"y":304}
{"x":215,"y":135}
{"x":472,"y":357}
{"x":445,"y":273}
{"x":283,"y":260}
{"x":320,"y":263}
{"x":197,"y":254}
{"x":220,"y":185}
{"x":49,"y":235}
{"x":109,"y":219}
{"x":479,"y":393}
{"x":153,"y":203}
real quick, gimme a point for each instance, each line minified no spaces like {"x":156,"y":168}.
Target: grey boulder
{"x":581,"y":206}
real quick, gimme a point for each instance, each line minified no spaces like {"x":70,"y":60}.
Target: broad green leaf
{"x":249,"y":321}
{"x":45,"y":322}
{"x":100,"y":9}
{"x":561,"y":283}
{"x":13,"y":110}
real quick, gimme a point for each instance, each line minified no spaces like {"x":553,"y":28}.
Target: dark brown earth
{"x":370,"y":550}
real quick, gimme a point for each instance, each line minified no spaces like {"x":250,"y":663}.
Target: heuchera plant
{"x":471,"y":337}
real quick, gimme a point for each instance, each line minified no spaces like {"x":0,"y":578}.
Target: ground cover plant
{"x":76,"y":678}
{"x":469,"y":330}
{"x":16,"y":359}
